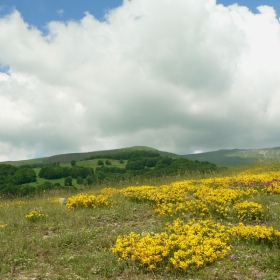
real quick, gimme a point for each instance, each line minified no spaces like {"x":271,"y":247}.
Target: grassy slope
{"x":237,"y":157}
{"x":74,"y":245}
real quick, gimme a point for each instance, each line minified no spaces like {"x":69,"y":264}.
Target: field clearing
{"x":220,"y":226}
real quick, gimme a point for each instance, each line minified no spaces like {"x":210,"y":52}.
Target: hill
{"x":67,"y":158}
{"x":226,"y":157}
{"x":92,"y":169}
{"x":237,"y":157}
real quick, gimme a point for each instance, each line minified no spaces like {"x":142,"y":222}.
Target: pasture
{"x":218,"y":226}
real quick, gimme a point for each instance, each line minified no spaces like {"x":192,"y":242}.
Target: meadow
{"x":223,"y":225}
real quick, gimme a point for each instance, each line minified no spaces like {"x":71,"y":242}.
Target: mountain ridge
{"x":223,"y":157}
{"x":235,"y":157}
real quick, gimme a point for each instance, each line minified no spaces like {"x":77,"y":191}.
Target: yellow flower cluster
{"x":199,"y":198}
{"x":272,"y":187}
{"x":87,"y":201}
{"x":35,"y":216}
{"x":258,"y":232}
{"x":201,"y":240}
{"x":249,"y":211}
{"x":3,"y":225}
{"x":181,"y":246}
{"x":109,"y":191}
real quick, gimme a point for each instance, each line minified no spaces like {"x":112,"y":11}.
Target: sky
{"x":183,"y":76}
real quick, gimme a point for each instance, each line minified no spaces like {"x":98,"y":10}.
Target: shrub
{"x":68,"y":181}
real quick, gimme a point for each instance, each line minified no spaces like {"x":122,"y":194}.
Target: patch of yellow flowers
{"x":36,"y":215}
{"x":255,"y":233}
{"x":180,"y":246}
{"x":201,"y":240}
{"x":250,"y":211}
{"x":193,"y":244}
{"x":88,"y":201}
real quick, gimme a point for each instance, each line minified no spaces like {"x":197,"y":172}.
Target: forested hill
{"x":96,"y":169}
{"x":67,"y":158}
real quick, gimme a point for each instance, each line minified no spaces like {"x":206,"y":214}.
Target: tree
{"x":80,"y":180}
{"x":100,"y":162}
{"x":24,"y":174}
{"x":73,"y":162}
{"x":68,"y":181}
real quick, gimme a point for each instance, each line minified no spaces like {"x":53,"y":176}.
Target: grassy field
{"x":121,"y":232}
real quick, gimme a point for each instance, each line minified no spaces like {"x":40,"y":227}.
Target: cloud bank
{"x":176,"y":75}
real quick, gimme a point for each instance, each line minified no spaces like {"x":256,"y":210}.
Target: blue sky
{"x":181,"y":76}
{"x":39,"y":12}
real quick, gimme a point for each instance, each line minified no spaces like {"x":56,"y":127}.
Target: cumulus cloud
{"x":180,"y":76}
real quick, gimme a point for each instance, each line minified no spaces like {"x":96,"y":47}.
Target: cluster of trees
{"x":13,"y":179}
{"x":146,"y":164}
{"x":168,"y":166}
{"x":55,"y":171}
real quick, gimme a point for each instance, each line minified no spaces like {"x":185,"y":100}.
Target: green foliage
{"x":164,"y":162}
{"x":68,"y":181}
{"x":80,"y":180}
{"x":18,"y":190}
{"x":151,"y":162}
{"x":56,"y":172}
{"x":24,"y":174}
{"x":79,"y":171}
{"x":139,"y":164}
{"x":7,"y":169}
{"x":105,"y":169}
{"x":135,"y":165}
{"x":125,"y":155}
{"x":12,"y":179}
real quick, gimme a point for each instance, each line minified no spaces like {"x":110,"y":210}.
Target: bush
{"x":68,"y":181}
{"x":80,"y":180}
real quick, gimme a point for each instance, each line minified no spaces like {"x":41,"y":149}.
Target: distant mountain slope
{"x":67,"y":158}
{"x":237,"y":157}
{"x":232,"y":157}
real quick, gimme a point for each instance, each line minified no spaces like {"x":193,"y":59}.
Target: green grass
{"x":75,"y":244}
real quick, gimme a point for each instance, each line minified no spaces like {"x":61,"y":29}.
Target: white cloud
{"x":179,"y":76}
{"x":60,"y":12}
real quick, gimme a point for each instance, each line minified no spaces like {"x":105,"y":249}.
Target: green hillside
{"x":107,"y":167}
{"x":230,"y":157}
{"x":67,"y":158}
{"x":237,"y":157}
